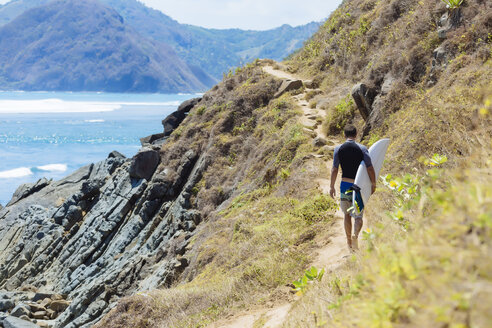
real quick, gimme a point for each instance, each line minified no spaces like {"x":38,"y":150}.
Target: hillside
{"x":211,"y":228}
{"x":422,"y":262}
{"x":12,"y":9}
{"x":214,"y":51}
{"x":84,"y":46}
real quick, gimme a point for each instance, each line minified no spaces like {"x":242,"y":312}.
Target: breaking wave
{"x":26,"y":171}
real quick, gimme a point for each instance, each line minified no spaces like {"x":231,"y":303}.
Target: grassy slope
{"x":377,"y":41}
{"x":262,"y":209}
{"x":436,"y":272}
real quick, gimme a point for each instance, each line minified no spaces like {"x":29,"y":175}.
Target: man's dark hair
{"x":350,"y":131}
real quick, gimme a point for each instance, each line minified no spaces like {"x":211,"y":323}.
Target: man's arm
{"x":372,"y":176}
{"x":334,"y":173}
{"x":370,"y":169}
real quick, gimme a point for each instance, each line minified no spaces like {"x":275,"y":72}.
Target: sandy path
{"x":329,"y":257}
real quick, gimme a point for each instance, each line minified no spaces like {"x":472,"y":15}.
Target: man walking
{"x":349,"y":155}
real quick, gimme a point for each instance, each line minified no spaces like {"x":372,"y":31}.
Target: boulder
{"x":43,"y":324}
{"x":13,"y":322}
{"x":171,"y":122}
{"x":450,"y":20}
{"x":288,"y":85}
{"x":51,"y":314}
{"x":20,"y":310}
{"x":116,"y":154}
{"x":41,"y":296}
{"x":28,"y":189}
{"x":319,"y":142}
{"x":364,"y":98}
{"x":58,"y":297}
{"x":439,"y":57}
{"x":39,"y":315}
{"x":59,"y":305}
{"x":144,"y":164}
{"x":388,"y":82}
{"x":152,"y":138}
{"x":309,"y":132}
{"x":310,"y":84}
{"x":6,"y":305}
{"x":35,"y":307}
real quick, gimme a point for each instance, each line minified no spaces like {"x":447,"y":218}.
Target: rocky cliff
{"x":123,"y":225}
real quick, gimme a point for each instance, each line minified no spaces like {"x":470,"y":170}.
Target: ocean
{"x":51,"y":134}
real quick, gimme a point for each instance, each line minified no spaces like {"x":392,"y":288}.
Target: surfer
{"x":350,"y":155}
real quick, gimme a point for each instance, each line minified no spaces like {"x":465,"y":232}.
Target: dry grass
{"x":436,"y":274}
{"x":260,"y":206}
{"x":261,"y":211}
{"x":378,"y":42}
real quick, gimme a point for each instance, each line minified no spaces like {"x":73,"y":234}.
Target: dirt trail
{"x":329,"y":256}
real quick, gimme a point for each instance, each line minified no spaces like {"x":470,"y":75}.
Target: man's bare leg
{"x":357,"y":228}
{"x":348,"y":229}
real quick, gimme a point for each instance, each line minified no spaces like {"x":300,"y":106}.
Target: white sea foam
{"x":94,"y":121}
{"x":16,"y":173}
{"x":55,"y":105}
{"x":53,"y":168}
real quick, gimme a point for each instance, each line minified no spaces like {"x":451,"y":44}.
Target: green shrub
{"x":452,"y":4}
{"x":200,"y":110}
{"x":316,"y":208}
{"x":340,"y":116}
{"x":311,"y":94}
{"x":309,"y":277}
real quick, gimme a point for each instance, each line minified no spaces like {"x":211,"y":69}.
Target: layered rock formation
{"x":97,"y":234}
{"x":106,"y":230}
{"x":109,"y":229}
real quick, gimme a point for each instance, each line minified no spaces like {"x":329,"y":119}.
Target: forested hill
{"x":85,"y":46}
{"x":215,"y":51}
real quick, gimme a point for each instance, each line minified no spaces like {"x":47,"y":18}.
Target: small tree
{"x":453,"y":4}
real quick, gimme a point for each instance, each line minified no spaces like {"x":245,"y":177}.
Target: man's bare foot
{"x":355,"y":243}
{"x":349,"y":244}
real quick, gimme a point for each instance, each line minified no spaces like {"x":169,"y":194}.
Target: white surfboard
{"x":377,"y":153}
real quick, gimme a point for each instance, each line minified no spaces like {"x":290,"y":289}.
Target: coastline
{"x":74,"y":133}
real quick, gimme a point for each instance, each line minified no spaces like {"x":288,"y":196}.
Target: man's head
{"x":350,"y":131}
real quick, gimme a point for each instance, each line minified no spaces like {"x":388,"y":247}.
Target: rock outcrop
{"x":153,"y":139}
{"x":364,"y":98}
{"x":97,"y":235}
{"x":28,"y":189}
{"x":103,"y":232}
{"x":144,"y":164}
{"x":288,"y":85}
{"x":171,"y":122}
{"x":13,"y":322}
{"x":450,"y":20}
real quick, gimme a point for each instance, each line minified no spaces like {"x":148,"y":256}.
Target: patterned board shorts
{"x":346,"y":207}
{"x":346,"y":202}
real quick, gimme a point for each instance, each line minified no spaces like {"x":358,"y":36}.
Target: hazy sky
{"x":245,"y":14}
